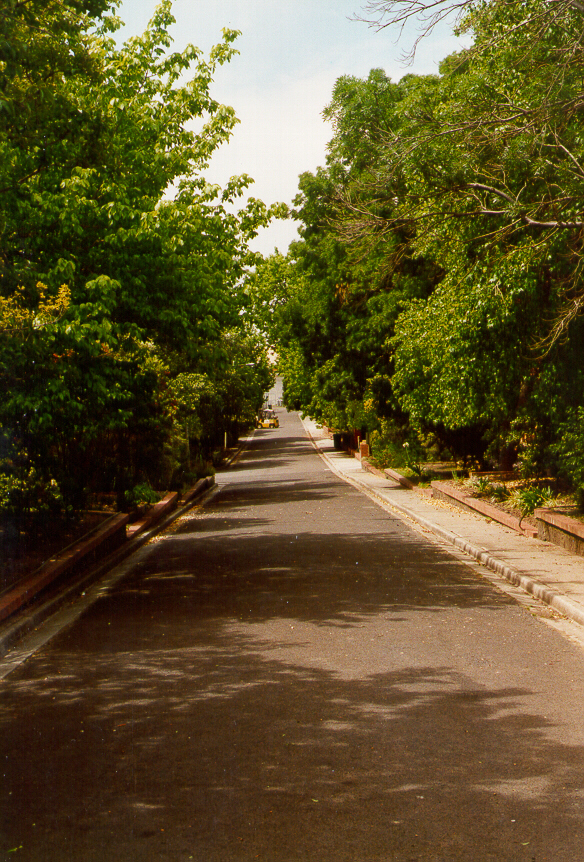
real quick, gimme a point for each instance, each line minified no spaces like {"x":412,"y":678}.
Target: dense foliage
{"x":122,"y":339}
{"x":435,"y":296}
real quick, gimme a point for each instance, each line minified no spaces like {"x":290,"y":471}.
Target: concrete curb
{"x":528,"y":584}
{"x":112,"y":532}
{"x":245,"y":441}
{"x":30,"y":618}
{"x":545,"y":594}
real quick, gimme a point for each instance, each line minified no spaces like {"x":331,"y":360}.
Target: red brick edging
{"x":164,"y":507}
{"x":397,"y":477}
{"x":442,"y":490}
{"x":365,"y":465}
{"x":106,"y":538}
{"x":112,"y":532}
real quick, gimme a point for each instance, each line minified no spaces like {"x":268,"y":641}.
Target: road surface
{"x":292,"y":673}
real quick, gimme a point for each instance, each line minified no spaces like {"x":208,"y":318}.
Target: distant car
{"x":268,"y":419}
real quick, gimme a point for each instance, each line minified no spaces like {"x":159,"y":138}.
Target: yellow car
{"x":268,"y":419}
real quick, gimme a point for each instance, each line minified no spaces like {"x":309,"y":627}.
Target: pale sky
{"x":291,"y":53}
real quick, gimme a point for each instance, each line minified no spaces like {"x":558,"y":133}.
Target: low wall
{"x":105,"y":539}
{"x":154,"y":514}
{"x":560,"y":529}
{"x":101,"y":542}
{"x":397,"y":477}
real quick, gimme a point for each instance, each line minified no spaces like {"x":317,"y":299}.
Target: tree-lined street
{"x":299,"y":667}
{"x":291,"y":673}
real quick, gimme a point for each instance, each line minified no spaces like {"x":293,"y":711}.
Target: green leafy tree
{"x":438,"y":280}
{"x":91,"y":138}
{"x":346,"y":289}
{"x":476,"y":172}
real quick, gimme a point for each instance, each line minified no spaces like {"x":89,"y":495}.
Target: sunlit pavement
{"x":292,"y":673}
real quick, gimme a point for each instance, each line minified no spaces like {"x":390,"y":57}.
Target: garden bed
{"x":439,"y":470}
{"x":460,"y":495}
{"x":562,"y":525}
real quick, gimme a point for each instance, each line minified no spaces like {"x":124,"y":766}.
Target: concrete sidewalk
{"x":542,"y":569}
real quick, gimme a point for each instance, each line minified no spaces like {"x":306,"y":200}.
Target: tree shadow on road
{"x":254,"y":573}
{"x":268,"y":494}
{"x":237,"y":748}
{"x":273,"y":684}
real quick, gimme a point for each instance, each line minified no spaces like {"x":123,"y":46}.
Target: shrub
{"x":528,"y":499}
{"x":481,"y":486}
{"x":140,"y":495}
{"x":499,"y":493}
{"x":29,"y":497}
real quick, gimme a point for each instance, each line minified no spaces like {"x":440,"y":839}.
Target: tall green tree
{"x":91,"y":138}
{"x":456,"y":201}
{"x":348,"y":288}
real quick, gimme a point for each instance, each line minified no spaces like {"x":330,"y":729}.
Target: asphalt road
{"x":291,"y":673}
